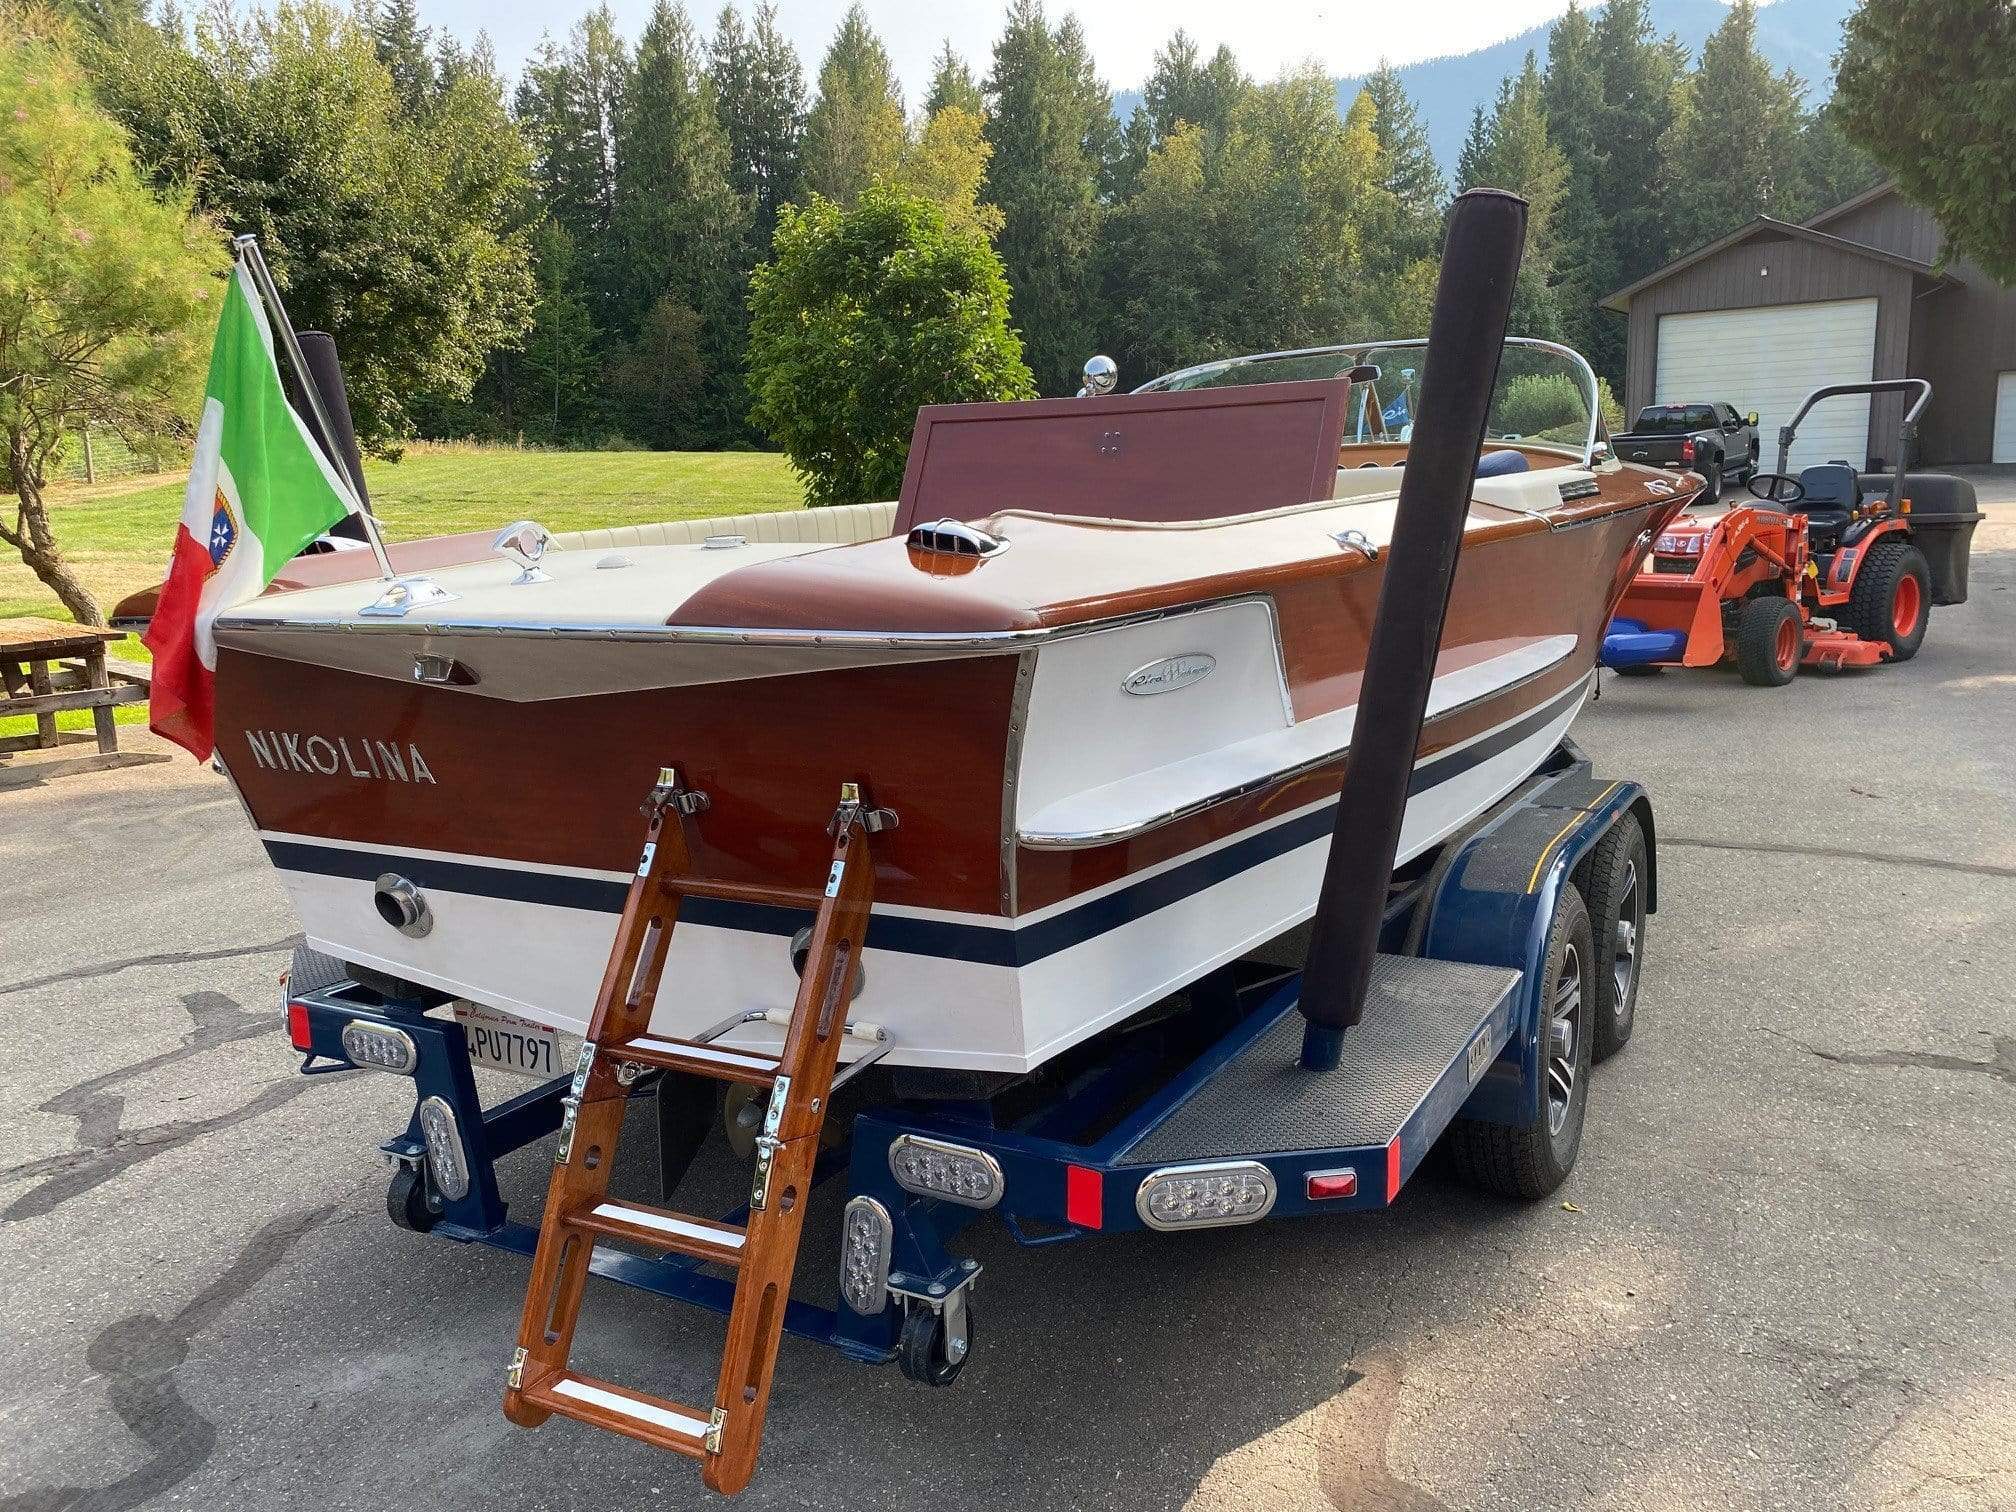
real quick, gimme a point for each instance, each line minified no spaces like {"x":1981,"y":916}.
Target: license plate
{"x":505,"y":1042}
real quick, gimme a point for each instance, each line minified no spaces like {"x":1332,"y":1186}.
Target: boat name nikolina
{"x":322,"y":755}
{"x":1169,"y":674}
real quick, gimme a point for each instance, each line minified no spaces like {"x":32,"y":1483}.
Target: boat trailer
{"x":1469,"y":1030}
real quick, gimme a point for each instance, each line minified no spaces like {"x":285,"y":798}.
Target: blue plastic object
{"x":1630,"y":643}
{"x":1499,"y":463}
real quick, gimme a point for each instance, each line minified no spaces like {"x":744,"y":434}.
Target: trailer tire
{"x":1530,"y":1160}
{"x":1614,"y":883}
{"x":1892,"y":599}
{"x":1769,"y":641}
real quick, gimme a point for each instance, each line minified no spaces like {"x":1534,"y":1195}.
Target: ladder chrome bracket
{"x":668,"y":793}
{"x":767,"y":1143}
{"x":627,"y":1072}
{"x":570,"y":1105}
{"x":717,"y":1421}
{"x":515,"y":1376}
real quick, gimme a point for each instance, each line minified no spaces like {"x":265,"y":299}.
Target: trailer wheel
{"x":921,"y":1351}
{"x":1615,"y":885}
{"x":408,"y":1202}
{"x":1531,"y":1160}
{"x":1769,"y":641}
{"x":1892,"y":599}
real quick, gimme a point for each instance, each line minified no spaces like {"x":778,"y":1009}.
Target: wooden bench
{"x":48,"y":666}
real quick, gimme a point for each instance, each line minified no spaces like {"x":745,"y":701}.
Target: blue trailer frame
{"x":1081,"y":1162}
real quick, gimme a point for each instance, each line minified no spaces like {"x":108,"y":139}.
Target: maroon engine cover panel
{"x":1194,"y":455}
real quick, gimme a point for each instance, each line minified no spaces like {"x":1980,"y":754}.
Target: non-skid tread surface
{"x":1419,"y":1016}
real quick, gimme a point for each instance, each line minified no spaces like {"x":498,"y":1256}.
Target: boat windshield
{"x":1545,"y":396}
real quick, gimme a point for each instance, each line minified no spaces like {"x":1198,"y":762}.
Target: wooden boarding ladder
{"x":618,"y":1048}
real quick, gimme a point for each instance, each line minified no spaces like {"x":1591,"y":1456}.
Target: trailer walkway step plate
{"x":1421,"y":1018}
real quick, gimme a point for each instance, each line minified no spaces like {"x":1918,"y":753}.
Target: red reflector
{"x":1084,"y":1197}
{"x":1393,"y":1169}
{"x":1324,"y":1184}
{"x":297,"y":1027}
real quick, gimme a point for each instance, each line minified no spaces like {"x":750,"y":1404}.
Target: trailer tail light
{"x":1206,"y":1196}
{"x":444,"y":1148}
{"x":1084,"y":1197}
{"x":866,"y":1240}
{"x":932,"y":1168}
{"x":1324,"y":1185}
{"x":297,"y":1028}
{"x":1687,"y":449}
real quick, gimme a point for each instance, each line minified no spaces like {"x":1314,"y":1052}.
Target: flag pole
{"x":247,"y":249}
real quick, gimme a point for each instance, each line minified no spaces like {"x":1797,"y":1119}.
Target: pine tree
{"x":1411,"y":174}
{"x":1181,"y":87}
{"x":402,"y":48}
{"x":1520,"y":156}
{"x":759,"y":93}
{"x":1473,"y":164}
{"x":678,"y":234}
{"x":952,"y":83}
{"x":855,"y":133}
{"x":1742,"y":119}
{"x":1831,"y":168}
{"x":1045,"y":176}
{"x":569,"y":104}
{"x":1585,"y":267}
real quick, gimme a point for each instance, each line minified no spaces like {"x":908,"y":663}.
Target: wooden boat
{"x":1101,"y":658}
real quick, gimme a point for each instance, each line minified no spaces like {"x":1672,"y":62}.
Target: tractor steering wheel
{"x":1778,"y":488}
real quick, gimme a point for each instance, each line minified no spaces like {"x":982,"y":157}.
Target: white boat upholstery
{"x":832,"y":525}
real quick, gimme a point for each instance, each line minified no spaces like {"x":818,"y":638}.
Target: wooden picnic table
{"x":50,"y":665}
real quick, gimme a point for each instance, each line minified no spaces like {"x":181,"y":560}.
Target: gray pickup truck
{"x":1711,"y":439}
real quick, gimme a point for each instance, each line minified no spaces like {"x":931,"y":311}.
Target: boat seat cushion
{"x":1499,"y":464}
{"x":833,"y":525}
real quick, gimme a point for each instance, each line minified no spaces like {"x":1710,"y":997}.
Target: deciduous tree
{"x":865,"y":315}
{"x":952,"y":83}
{"x":947,"y":165}
{"x":107,"y":289}
{"x":1928,"y":89}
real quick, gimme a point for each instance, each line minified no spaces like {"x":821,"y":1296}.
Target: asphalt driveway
{"x":1780,"y":1277}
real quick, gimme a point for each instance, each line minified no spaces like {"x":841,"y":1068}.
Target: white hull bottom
{"x":954,"y":990}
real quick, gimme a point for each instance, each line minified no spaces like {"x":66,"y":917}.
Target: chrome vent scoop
{"x":955,"y":538}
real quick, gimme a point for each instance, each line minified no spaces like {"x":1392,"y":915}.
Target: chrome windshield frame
{"x":1412,"y":343}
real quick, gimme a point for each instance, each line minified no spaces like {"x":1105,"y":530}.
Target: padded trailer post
{"x":1466,"y":337}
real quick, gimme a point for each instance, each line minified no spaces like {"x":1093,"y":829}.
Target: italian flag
{"x":260,"y":489}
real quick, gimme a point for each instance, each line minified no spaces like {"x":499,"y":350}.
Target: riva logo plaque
{"x":324,"y":756}
{"x":1169,"y":674}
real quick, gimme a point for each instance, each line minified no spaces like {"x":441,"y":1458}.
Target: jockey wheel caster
{"x":929,"y":1354}
{"x":408,"y":1201}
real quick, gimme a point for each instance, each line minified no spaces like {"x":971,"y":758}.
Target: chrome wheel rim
{"x":1624,"y":958}
{"x":1564,"y":1028}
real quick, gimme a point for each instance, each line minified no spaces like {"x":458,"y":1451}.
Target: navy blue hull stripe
{"x":999,"y":945}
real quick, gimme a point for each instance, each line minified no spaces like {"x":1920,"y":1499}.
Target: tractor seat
{"x":1831,"y":496}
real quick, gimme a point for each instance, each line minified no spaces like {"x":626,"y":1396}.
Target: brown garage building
{"x":1774,"y":310}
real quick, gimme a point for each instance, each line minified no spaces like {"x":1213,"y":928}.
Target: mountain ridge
{"x":1797,"y":34}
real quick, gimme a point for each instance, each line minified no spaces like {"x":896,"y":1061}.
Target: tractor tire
{"x":1615,"y":882}
{"x":1710,"y":467}
{"x":1643,"y":669}
{"x":1769,"y":642}
{"x":1892,"y":599}
{"x":1530,"y":1160}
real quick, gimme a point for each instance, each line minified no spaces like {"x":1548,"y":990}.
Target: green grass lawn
{"x":116,"y":535}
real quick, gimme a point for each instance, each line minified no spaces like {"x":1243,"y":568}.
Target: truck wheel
{"x":1892,"y":598}
{"x":1532,"y":1159}
{"x":1769,"y":642}
{"x":1615,"y":887}
{"x":1710,"y":467}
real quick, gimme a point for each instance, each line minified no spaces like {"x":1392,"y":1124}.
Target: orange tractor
{"x":1832,"y":568}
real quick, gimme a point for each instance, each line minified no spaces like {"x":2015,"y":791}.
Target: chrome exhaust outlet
{"x":402,"y":905}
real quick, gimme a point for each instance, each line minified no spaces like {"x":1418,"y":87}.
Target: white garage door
{"x":2005,"y":419}
{"x":1768,"y":360}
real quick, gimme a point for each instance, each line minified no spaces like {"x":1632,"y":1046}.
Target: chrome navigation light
{"x":932,"y":1168}
{"x":955,"y":538}
{"x":402,"y":595}
{"x":867,"y":1238}
{"x":524,"y":542}
{"x":1206,"y":1196}
{"x":1102,"y":376}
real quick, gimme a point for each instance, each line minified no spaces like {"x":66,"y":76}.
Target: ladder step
{"x":666,"y":1425}
{"x":751,"y":1066}
{"x":722,"y":1243}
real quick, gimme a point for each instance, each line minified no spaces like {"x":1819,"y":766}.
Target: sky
{"x":1346,"y":36}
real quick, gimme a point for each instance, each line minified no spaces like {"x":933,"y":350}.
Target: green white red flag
{"x":260,"y":489}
